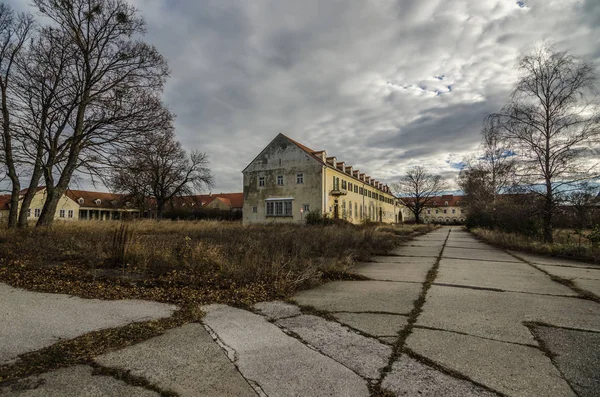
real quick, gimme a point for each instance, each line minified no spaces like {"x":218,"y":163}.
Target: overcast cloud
{"x":381,"y":84}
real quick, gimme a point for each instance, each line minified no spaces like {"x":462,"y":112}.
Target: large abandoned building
{"x":287,"y":180}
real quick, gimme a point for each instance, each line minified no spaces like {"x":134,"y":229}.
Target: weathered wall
{"x":282,"y":158}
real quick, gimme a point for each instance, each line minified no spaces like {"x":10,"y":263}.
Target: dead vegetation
{"x":188,"y":262}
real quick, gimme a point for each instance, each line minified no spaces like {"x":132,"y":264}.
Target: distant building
{"x":77,"y":205}
{"x":287,"y":180}
{"x":222,"y":201}
{"x":445,"y":209}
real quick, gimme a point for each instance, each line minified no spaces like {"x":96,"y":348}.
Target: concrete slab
{"x":277,"y":363}
{"x":572,"y":272}
{"x":592,"y":286}
{"x":34,"y":320}
{"x":466,"y":244}
{"x":425,"y":243}
{"x":365,"y":356}
{"x":507,"y":276}
{"x":361,"y":296}
{"x":410,"y":272}
{"x":577,"y":355}
{"x":500,"y":315}
{"x":429,"y":252}
{"x":374,"y":324}
{"x":390,"y":340}
{"x":404,"y":259}
{"x":184,"y":360}
{"x":485,"y":255}
{"x":277,"y":309}
{"x":409,"y":377}
{"x":75,"y":381}
{"x":513,"y":370}
{"x":551,"y":261}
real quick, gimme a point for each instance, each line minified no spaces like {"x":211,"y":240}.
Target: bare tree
{"x":491,"y":174}
{"x":160,"y":168}
{"x":551,"y":121}
{"x":418,"y":188}
{"x":14,"y":31}
{"x":46,"y":99}
{"x":116,"y":80}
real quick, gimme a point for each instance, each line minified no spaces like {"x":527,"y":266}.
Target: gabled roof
{"x":313,"y":153}
{"x":235,"y":200}
{"x":107,"y":200}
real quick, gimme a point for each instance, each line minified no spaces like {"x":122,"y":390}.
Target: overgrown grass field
{"x":189,"y":262}
{"x":567,"y":243}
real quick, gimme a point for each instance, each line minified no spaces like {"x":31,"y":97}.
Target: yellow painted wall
{"x":370,"y":205}
{"x":65,"y":204}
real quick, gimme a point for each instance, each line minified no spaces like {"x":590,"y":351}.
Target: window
{"x":37,"y":212}
{"x":446,"y":203}
{"x":261,"y":181}
{"x":445,"y":211}
{"x":355,"y":209}
{"x":279,"y":208}
{"x":300,"y":179}
{"x":62,"y":213}
{"x":254,"y":210}
{"x":370,"y":194}
{"x":80,"y":200}
{"x":428,"y":212}
{"x":344,"y":185}
{"x":361,"y":191}
{"x":350,"y":209}
{"x":280,"y":180}
{"x":454,"y":211}
{"x":306,"y":208}
{"x":437,"y":211}
{"x":349,"y":186}
{"x":361,"y":211}
{"x":336,"y":183}
{"x":355,"y":188}
{"x":28,"y":213}
{"x":70,"y":213}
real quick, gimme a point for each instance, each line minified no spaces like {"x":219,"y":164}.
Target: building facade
{"x":287,"y":180}
{"x":77,"y":205}
{"x":445,"y":209}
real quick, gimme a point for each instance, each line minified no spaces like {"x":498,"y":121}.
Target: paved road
{"x":444,"y":315}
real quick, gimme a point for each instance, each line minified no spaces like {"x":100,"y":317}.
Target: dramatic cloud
{"x":381,"y":84}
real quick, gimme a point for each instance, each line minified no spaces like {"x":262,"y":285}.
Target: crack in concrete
{"x":474,"y":336}
{"x":229,"y":351}
{"x":548,"y":353}
{"x":294,"y":335}
{"x":232,"y":355}
{"x":476,"y":288}
{"x":432,"y":364}
{"x":479,"y":260}
{"x":583,"y":294}
{"x":398,"y":347}
{"x":125,"y":376}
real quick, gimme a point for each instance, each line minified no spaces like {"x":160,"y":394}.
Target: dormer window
{"x":435,"y":203}
{"x":446,"y":203}
{"x":128,"y":204}
{"x":114,"y":202}
{"x":80,"y":201}
{"x":97,"y":201}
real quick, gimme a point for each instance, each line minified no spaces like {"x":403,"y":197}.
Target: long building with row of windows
{"x":287,"y":180}
{"x":445,"y":209}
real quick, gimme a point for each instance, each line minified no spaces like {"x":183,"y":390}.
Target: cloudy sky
{"x":381,"y":84}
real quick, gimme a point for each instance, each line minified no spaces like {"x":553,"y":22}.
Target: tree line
{"x":540,"y":151}
{"x":81,"y":95}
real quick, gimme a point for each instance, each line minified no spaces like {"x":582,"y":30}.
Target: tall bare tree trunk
{"x":10,"y":163}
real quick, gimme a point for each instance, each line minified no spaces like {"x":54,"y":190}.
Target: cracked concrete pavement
{"x":443,"y":315}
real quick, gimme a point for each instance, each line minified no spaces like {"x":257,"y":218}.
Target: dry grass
{"x":566,"y":244}
{"x":188,"y":262}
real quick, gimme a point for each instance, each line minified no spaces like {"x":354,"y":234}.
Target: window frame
{"x":261,"y":181}
{"x":300,"y":178}
{"x":280,"y":178}
{"x":61,"y":213}
{"x":279,"y":208}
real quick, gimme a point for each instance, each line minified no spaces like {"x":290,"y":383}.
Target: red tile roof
{"x":107,"y":200}
{"x":314,"y":153}
{"x":235,"y":200}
